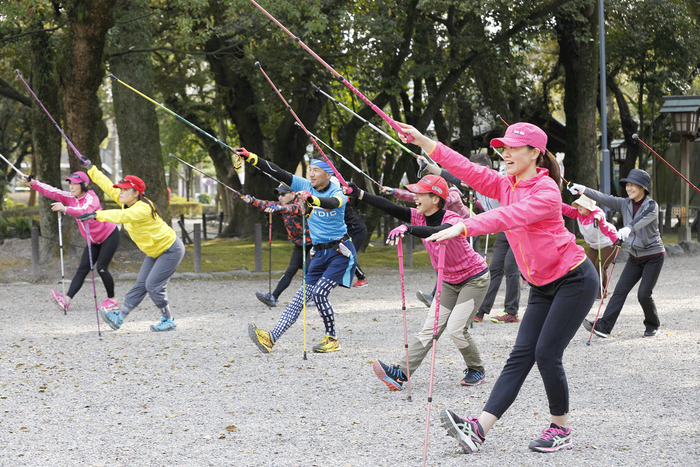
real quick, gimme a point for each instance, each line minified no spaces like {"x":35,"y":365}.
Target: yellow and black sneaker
{"x":261,"y":338}
{"x":328,"y":344}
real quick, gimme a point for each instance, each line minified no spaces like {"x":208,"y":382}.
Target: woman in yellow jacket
{"x":155,"y":238}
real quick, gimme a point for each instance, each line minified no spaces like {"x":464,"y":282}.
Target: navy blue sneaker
{"x":392,"y":376}
{"x":473,"y":377}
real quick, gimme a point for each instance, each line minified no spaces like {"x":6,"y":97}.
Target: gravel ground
{"x":205,"y":396}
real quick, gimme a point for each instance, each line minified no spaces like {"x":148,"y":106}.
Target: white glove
{"x":623,"y":233}
{"x":576,"y":189}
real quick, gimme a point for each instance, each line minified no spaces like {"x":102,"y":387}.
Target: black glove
{"x":87,"y":163}
{"x":87,"y":216}
{"x":355,"y":191}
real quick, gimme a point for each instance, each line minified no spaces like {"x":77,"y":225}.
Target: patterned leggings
{"x":319,"y":292}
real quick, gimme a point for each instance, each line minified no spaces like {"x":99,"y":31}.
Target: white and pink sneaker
{"x":110,"y":304}
{"x":61,"y":301}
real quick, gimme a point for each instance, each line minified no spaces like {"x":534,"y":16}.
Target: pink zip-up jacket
{"x":530,"y":215}
{"x":586,"y":224}
{"x":452,"y":203}
{"x":461,"y":261}
{"x":89,"y":202}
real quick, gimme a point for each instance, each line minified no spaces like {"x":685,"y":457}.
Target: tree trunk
{"x":136,"y":118}
{"x":82,"y":74}
{"x":47,"y":141}
{"x":578,"y":54}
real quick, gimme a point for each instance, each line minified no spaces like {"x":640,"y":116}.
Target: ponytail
{"x":154,"y":208}
{"x":546,"y":160}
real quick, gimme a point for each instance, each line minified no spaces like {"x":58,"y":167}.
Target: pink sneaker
{"x":61,"y":301}
{"x":110,"y":304}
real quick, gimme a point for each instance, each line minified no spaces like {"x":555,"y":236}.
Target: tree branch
{"x":17,"y":36}
{"x":10,"y":92}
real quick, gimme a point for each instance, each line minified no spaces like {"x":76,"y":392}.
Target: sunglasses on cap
{"x":124,"y":180}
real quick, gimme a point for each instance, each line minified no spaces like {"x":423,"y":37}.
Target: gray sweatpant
{"x":458,"y":305}
{"x":153,"y":277}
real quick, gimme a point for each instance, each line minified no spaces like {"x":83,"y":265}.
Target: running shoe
{"x":467,"y":431}
{"x":473,"y":377}
{"x":361,"y":283}
{"x":166,"y":324}
{"x":553,"y":438}
{"x":110,"y":304}
{"x":392,"y":376}
{"x":113,"y":318}
{"x":588,"y":324}
{"x":267,"y":298}
{"x":479,"y":317}
{"x":425,"y":298}
{"x":328,"y":344}
{"x":505,"y":318}
{"x":61,"y":301}
{"x":261,"y":338}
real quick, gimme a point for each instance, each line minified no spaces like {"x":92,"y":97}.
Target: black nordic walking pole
{"x":357,"y":169}
{"x":596,"y":224}
{"x":364,"y":120}
{"x":438,"y":293}
{"x":63,"y":273}
{"x":269,"y":275}
{"x":301,"y":125}
{"x":636,"y":138}
{"x":602,"y":298}
{"x":92,"y":270}
{"x":337,"y":75}
{"x":403,"y":309}
{"x":206,"y":175}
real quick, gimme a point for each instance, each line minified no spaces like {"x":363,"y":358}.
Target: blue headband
{"x":321,"y":164}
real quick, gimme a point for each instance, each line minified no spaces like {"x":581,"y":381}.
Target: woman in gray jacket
{"x":640,"y":215}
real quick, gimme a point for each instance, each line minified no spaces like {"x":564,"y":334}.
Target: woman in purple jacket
{"x":104,"y":236}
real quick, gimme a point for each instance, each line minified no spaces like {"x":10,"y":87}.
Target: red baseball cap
{"x":131,"y":181}
{"x":430,"y":184}
{"x":78,"y":177}
{"x":522,"y":134}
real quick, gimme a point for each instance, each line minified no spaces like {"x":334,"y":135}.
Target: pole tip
{"x":498,"y":116}
{"x":588,"y":343}
{"x":17,"y":70}
{"x":635,"y":137}
{"x":111,"y":76}
{"x":257,"y":64}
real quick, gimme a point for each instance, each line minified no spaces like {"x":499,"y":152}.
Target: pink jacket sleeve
{"x":570,"y":211}
{"x":404,"y":195}
{"x":54,"y":193}
{"x":482,"y":179}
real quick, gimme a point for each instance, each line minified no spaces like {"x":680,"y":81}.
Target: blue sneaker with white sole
{"x":166,"y":324}
{"x":392,"y":376}
{"x":113,"y":318}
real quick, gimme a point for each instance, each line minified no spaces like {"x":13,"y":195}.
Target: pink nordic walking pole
{"x":92,"y":270}
{"x":337,"y":75}
{"x":602,"y":297}
{"x":438,"y":293}
{"x":403,"y":309}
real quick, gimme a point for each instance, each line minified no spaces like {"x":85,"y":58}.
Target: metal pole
{"x":605,"y":175}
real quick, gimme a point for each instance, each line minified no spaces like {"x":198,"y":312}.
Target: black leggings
{"x":102,"y":254}
{"x":295,"y":263}
{"x":553,"y":315}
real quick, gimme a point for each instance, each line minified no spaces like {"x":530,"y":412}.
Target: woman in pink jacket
{"x":104,"y":236}
{"x":563,"y":282}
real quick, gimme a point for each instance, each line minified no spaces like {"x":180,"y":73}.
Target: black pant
{"x":102,"y":254}
{"x":295,"y":263}
{"x":358,"y":238}
{"x":648,"y":271}
{"x":553,"y":315}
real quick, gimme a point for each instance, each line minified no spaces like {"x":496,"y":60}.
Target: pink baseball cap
{"x":430,"y":184}
{"x":78,"y":177}
{"x":522,"y":134}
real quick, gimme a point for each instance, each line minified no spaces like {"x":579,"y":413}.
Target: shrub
{"x":204,"y":198}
